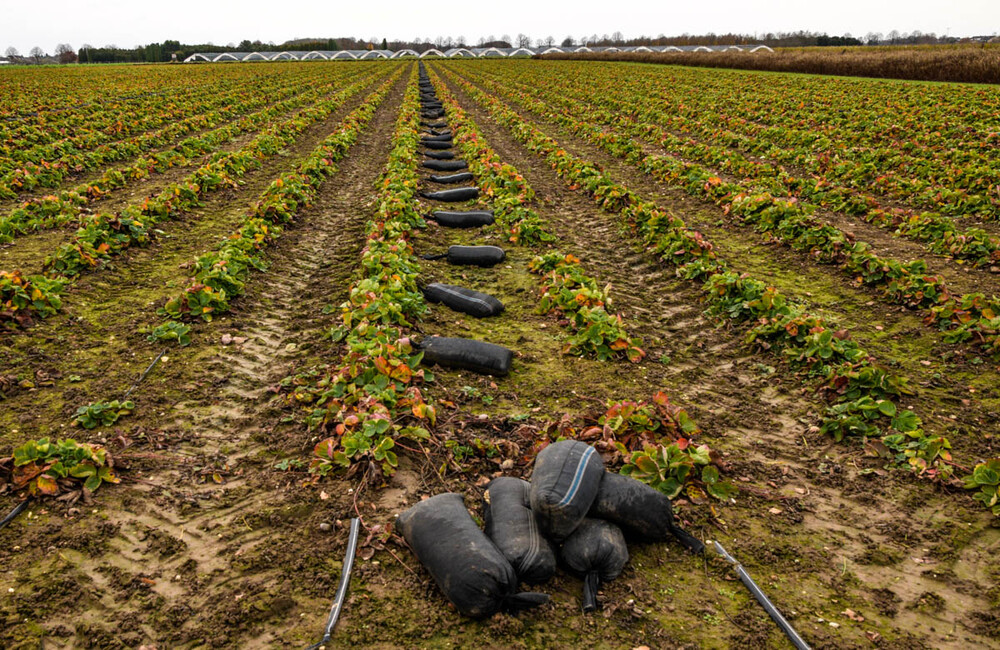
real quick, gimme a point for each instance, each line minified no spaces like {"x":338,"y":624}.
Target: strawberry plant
{"x":171,"y":331}
{"x":985,"y":479}
{"x":49,"y":467}
{"x":102,"y":414}
{"x":679,"y":467}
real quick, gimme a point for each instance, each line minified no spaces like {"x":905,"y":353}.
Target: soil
{"x":218,"y":537}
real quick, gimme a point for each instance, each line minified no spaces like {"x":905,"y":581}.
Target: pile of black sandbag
{"x":573,"y":512}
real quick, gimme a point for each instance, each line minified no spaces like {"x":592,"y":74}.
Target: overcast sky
{"x":127,"y":23}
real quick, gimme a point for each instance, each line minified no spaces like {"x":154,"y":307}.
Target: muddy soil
{"x":218,"y":537}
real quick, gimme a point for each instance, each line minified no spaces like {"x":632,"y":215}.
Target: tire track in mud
{"x":199,"y":547}
{"x":829,"y":516}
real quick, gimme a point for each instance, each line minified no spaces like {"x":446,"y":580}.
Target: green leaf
{"x":887,"y":408}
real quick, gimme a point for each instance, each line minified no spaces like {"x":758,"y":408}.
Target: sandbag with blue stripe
{"x":563,"y":486}
{"x":511,"y":525}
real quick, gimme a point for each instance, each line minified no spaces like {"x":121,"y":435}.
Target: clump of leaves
{"x":679,"y":467}
{"x":47,"y":467}
{"x":102,"y":413}
{"x":171,"y":331}
{"x":985,"y":478}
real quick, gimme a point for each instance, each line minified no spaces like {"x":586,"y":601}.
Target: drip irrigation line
{"x":143,"y":376}
{"x":345,"y":580}
{"x":18,"y":509}
{"x":764,"y":601}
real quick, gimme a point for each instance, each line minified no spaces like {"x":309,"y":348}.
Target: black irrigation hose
{"x":18,"y":509}
{"x":345,"y":580}
{"x":764,"y":601}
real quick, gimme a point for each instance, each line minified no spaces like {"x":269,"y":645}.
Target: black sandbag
{"x":440,"y":155}
{"x":467,"y":301}
{"x":484,"y":256}
{"x":432,"y":114}
{"x":465,"y":564}
{"x":434,"y":125}
{"x":431,"y":105}
{"x":452,"y":196}
{"x":596,"y":550}
{"x":444,"y":165}
{"x":467,"y":219}
{"x":437,"y":144}
{"x":563,"y":486}
{"x":640,"y":510}
{"x":449,"y":179}
{"x":436,"y":132}
{"x":511,"y":525}
{"x":466,"y":354}
{"x":436,"y":138}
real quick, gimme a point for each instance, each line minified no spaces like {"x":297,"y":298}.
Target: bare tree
{"x":523,"y":40}
{"x":12,"y":52}
{"x":460,"y":41}
{"x":567,"y":42}
{"x":550,"y":41}
{"x":36,"y":53}
{"x":618,"y":38}
{"x":65,"y":53}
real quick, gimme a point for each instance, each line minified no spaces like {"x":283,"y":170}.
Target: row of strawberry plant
{"x":863,"y":394}
{"x":50,"y":174}
{"x":69,"y":152}
{"x":371,"y":398}
{"x":641,"y":120}
{"x":116,"y":116}
{"x":565,"y":289}
{"x":104,"y":235}
{"x":973,"y":318}
{"x":963,"y":187}
{"x":59,"y":210}
{"x":221,"y":275}
{"x":921,"y":139}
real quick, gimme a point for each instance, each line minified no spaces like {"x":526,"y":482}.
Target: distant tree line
{"x":174,"y":50}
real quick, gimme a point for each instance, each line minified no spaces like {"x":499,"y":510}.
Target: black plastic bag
{"x":511,"y":525}
{"x":434,"y":125}
{"x":596,"y":550}
{"x":440,"y":155}
{"x":466,"y":354}
{"x":445,"y":165}
{"x":484,"y":256}
{"x":640,"y":510}
{"x":564,"y":483}
{"x":467,"y":301}
{"x":436,"y":144}
{"x":468,"y":219}
{"x":436,"y":138}
{"x":453,"y":196}
{"x":465,"y":564}
{"x":438,"y":132}
{"x":461,"y":177}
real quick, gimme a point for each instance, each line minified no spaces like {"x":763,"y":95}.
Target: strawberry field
{"x":771,"y":297}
